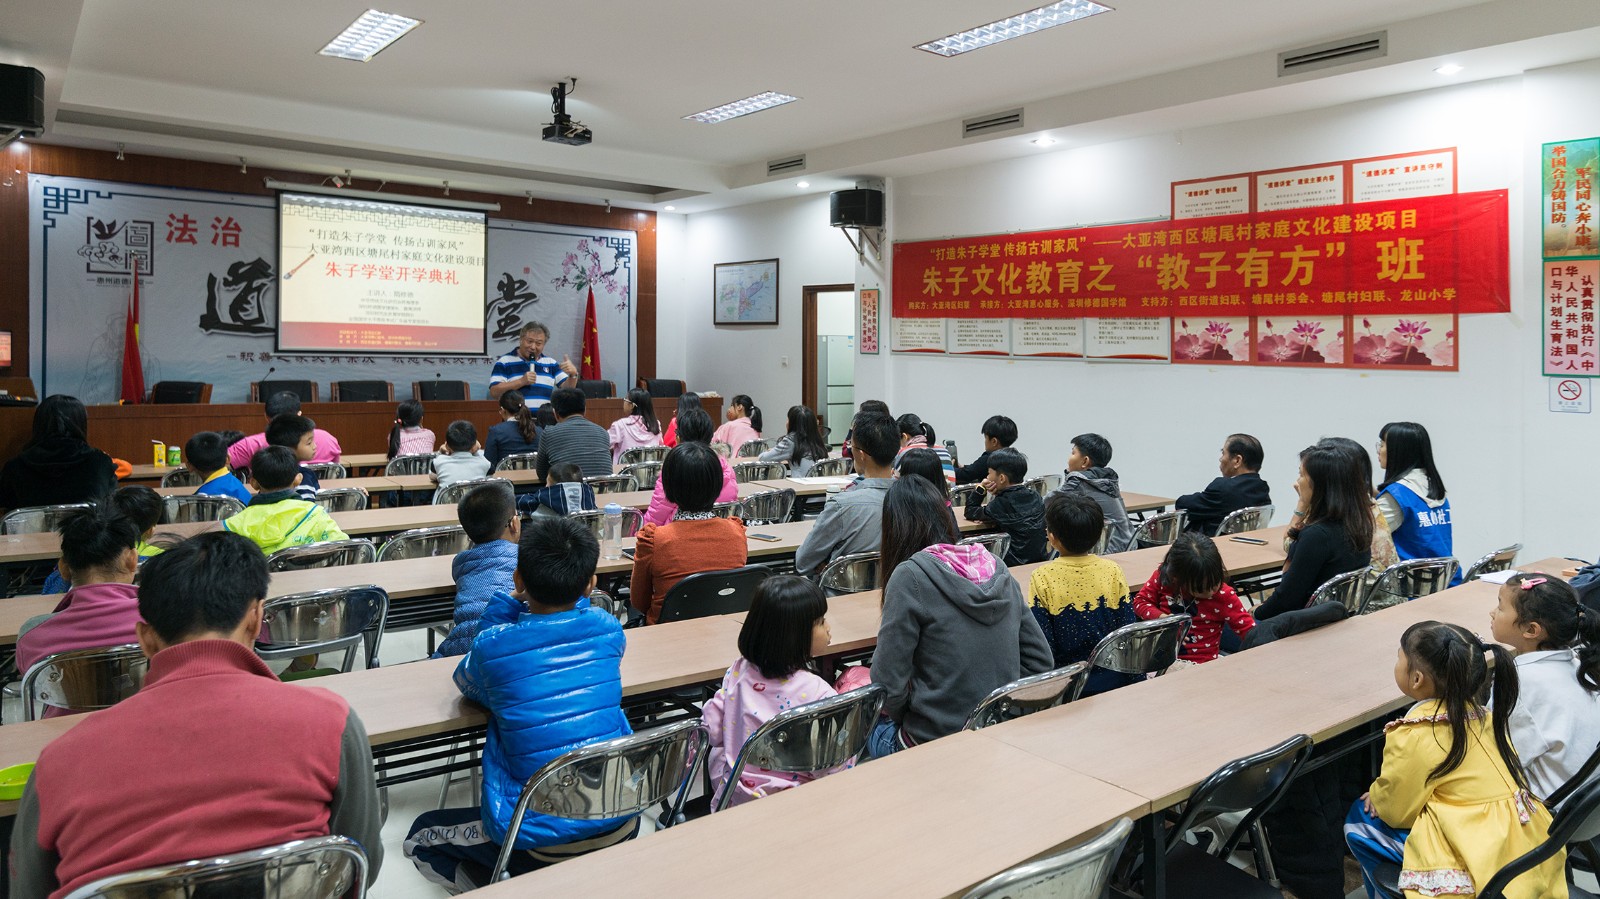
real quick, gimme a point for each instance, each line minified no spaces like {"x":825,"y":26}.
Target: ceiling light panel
{"x":763,"y":100}
{"x":369,"y":35}
{"x":1014,"y":26}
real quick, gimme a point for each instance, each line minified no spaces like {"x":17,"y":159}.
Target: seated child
{"x":99,"y":560}
{"x":1190,"y":582}
{"x":920,"y":461}
{"x":1080,"y":597}
{"x":786,"y":627}
{"x":1089,"y":474}
{"x":465,"y":460}
{"x":694,"y":540}
{"x":141,"y":506}
{"x":408,"y":437}
{"x":1451,"y":805}
{"x":207,"y":456}
{"x":275,"y":517}
{"x":1010,"y":506}
{"x":489,"y":516}
{"x":297,"y":434}
{"x":548,"y":667}
{"x":563,"y":493}
{"x":998,"y":432}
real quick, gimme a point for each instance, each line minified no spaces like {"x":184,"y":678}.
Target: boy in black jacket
{"x":999,"y":432}
{"x":1012,"y":507}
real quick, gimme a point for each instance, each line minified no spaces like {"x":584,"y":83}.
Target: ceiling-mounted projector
{"x":564,"y":130}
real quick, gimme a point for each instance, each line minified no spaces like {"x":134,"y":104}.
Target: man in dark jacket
{"x":1012,"y":507}
{"x":1240,"y":486}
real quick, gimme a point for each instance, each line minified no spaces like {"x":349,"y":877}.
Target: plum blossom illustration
{"x":582,"y":269}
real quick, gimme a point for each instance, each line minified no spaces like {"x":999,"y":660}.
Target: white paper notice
{"x":1299,"y":188}
{"x":1129,"y":339}
{"x":980,"y":336}
{"x":918,"y":335}
{"x":1047,"y":337}
{"x":1221,"y":196}
{"x":1397,"y":178}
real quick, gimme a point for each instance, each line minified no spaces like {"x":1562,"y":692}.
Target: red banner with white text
{"x":1437,"y":254}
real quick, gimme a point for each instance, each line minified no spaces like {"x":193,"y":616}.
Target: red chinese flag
{"x":132,"y":364}
{"x":590,"y":369}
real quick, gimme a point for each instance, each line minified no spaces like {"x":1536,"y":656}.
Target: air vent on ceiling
{"x":785,"y":166}
{"x":1334,"y":53}
{"x":995,"y":121}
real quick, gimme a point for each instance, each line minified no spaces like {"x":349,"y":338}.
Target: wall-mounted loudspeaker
{"x":21,"y":100}
{"x":858,"y":208}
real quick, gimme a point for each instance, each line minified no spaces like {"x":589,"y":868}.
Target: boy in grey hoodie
{"x":1088,"y":475}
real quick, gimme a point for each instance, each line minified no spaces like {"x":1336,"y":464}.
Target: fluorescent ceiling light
{"x":369,"y":35}
{"x":763,"y":100}
{"x":1044,"y":142}
{"x":1449,"y":68}
{"x":1014,"y":26}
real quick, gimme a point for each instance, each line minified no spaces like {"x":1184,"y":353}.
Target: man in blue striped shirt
{"x":528,"y":370}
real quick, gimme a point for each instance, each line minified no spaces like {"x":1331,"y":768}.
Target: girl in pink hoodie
{"x":637,"y":427}
{"x":786,"y":628}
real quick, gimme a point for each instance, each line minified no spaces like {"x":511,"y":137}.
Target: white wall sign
{"x":1047,"y":338}
{"x":980,"y":336}
{"x":918,"y":335}
{"x":1570,"y":395}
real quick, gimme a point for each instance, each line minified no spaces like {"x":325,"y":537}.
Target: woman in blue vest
{"x":1412,"y":496}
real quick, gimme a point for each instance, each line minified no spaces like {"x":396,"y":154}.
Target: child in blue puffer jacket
{"x":548,"y":667}
{"x":489,"y":516}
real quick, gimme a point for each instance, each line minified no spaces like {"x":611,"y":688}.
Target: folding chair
{"x":1078,"y":873}
{"x":341,"y":499}
{"x":316,"y":868}
{"x":713,"y":593}
{"x":1143,"y":647}
{"x":194,"y":507}
{"x":612,"y":483}
{"x":1250,"y":518}
{"x":833,"y":468}
{"x":454,"y":493}
{"x":1159,"y":530}
{"x":303,"y":624}
{"x":809,"y":738}
{"x":770,"y":507}
{"x":39,"y":519}
{"x":1405,"y":581}
{"x":356,"y":551}
{"x":745,"y":472}
{"x":729,"y":509}
{"x":632,"y":522}
{"x":416,"y":463}
{"x":422,"y":543}
{"x":83,"y":680}
{"x":1028,"y":695}
{"x":998,"y":542}
{"x":1348,"y":589}
{"x":752,"y":448}
{"x":1499,"y":560}
{"x":962,"y":494}
{"x":328,"y":471}
{"x":643,"y":454}
{"x":851,"y":573}
{"x":644,"y":474}
{"x":181,"y":477}
{"x":518,"y":462}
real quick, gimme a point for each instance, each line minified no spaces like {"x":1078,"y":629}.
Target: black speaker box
{"x":858,"y":208}
{"x":21,"y":99}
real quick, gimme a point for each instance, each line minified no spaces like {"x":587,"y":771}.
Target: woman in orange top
{"x":695,"y":540}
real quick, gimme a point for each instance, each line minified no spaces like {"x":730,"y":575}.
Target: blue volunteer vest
{"x":1424,"y":531}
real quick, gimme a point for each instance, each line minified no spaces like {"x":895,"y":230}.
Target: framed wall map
{"x":745,"y":293}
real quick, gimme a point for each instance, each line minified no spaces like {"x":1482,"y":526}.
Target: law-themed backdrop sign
{"x":208,"y":293}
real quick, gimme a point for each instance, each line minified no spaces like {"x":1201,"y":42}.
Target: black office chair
{"x":663,"y":388}
{"x":439,"y":390}
{"x":713,"y":593}
{"x":361,"y":392}
{"x":597,"y":390}
{"x":180,"y":392}
{"x":305,"y":390}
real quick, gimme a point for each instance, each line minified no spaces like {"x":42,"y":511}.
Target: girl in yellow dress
{"x":1451,"y":805}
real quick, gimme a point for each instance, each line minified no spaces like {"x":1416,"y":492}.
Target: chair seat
{"x":1192,"y":874}
{"x":1388,"y":877}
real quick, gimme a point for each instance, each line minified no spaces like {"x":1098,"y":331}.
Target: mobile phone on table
{"x":1256,"y":540}
{"x":769,"y":538}
{"x":627,"y":553}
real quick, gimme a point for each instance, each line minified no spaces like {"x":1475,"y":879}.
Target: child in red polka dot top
{"x":1190,"y":582}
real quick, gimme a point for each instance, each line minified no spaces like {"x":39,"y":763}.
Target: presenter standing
{"x":528,"y":371}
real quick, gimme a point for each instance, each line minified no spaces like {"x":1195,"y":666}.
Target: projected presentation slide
{"x":366,"y":277}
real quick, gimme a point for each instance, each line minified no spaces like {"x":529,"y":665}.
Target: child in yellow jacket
{"x":275,"y":518}
{"x":1451,"y":804}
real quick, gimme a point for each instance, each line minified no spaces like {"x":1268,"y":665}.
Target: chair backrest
{"x":644,"y":474}
{"x":729,"y":509}
{"x":518,"y":462}
{"x":960,"y":494}
{"x":1348,"y":589}
{"x":851,"y":573}
{"x":415,"y":463}
{"x":643,"y":454}
{"x":833,"y":468}
{"x":667,"y":388}
{"x":809,"y":738}
{"x":39,"y":519}
{"x":182,"y":477}
{"x":1080,"y":872}
{"x":198,"y":507}
{"x":452,"y":494}
{"x":421,"y":543}
{"x":362,"y":391}
{"x":1038,"y":485}
{"x":341,"y":499}
{"x":769,"y":507}
{"x":955,"y":457}
{"x":1499,"y":560}
{"x":632,"y":522}
{"x":1251,"y":784}
{"x":316,"y":868}
{"x":262,"y":391}
{"x":1250,"y":518}
{"x":612,"y":483}
{"x":998,"y":542}
{"x":1159,"y":530}
{"x":1028,"y":695}
{"x":1143,"y":647}
{"x":324,"y":621}
{"x":1405,"y":581}
{"x":328,"y":471}
{"x":323,"y":555}
{"x":752,"y":448}
{"x":1577,"y":821}
{"x":612,"y":779}
{"x":83,"y":680}
{"x":615,"y":605}
{"x":713,"y":593}
{"x":439,"y":390}
{"x":597,"y":389}
{"x":722,"y":449}
{"x":745,"y":472}
{"x":1105,"y":539}
{"x":180,"y":392}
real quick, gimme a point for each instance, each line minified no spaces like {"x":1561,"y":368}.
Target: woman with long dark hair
{"x":801,"y":446}
{"x":1412,"y":496}
{"x":1335,"y":533}
{"x":57,"y":465}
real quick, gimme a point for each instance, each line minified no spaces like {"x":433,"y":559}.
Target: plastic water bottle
{"x":613,"y":531}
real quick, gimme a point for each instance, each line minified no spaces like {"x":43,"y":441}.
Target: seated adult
{"x":1334,"y":537}
{"x":1240,"y":486}
{"x":214,"y":755}
{"x":852,"y":520}
{"x":1412,"y":499}
{"x":694,"y":540}
{"x":57,"y":465}
{"x":574,"y":438}
{"x":284,"y":402}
